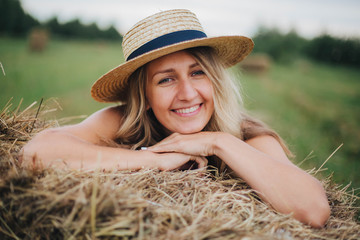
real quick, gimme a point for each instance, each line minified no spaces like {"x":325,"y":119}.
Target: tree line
{"x":15,"y":22}
{"x":324,"y":48}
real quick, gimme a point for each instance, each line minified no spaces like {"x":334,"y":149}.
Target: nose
{"x":186,"y":90}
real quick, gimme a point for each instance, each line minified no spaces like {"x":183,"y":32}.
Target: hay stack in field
{"x":256,"y":63}
{"x":146,"y":204}
{"x":38,"y":40}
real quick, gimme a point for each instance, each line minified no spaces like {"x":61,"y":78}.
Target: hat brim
{"x":111,"y":87}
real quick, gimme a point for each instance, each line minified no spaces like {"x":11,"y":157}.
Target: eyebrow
{"x":171,"y":70}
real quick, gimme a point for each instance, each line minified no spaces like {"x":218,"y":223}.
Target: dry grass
{"x":38,"y":39}
{"x":146,"y":204}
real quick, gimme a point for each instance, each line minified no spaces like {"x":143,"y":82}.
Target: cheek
{"x":157,"y":100}
{"x":209,"y":96}
{"x":208,"y":92}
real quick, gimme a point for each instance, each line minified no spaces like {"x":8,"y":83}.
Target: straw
{"x":145,"y":204}
{"x":112,"y":86}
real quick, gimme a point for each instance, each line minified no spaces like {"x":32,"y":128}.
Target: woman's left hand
{"x":196,"y":144}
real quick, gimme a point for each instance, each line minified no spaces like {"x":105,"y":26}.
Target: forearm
{"x":61,"y":149}
{"x":286,"y":187}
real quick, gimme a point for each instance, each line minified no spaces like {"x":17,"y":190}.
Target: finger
{"x":160,"y":149}
{"x":166,"y":147}
{"x":170,"y":161}
{"x":201,"y":161}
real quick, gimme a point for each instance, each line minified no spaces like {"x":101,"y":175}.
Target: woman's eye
{"x":165,"y":80}
{"x":199,"y":72}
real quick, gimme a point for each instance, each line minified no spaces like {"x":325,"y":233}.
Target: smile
{"x":187,"y":110}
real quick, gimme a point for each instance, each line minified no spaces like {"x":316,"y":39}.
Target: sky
{"x":309,"y":18}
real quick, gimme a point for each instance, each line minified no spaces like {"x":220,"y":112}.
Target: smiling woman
{"x":179,"y":93}
{"x":177,"y":101}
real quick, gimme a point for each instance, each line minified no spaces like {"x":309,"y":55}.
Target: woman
{"x":179,"y":106}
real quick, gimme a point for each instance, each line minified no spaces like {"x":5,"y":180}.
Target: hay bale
{"x":38,"y":40}
{"x":256,"y":63}
{"x":146,"y":204}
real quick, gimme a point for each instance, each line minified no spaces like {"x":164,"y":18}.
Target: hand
{"x":171,"y":161}
{"x":196,"y":144}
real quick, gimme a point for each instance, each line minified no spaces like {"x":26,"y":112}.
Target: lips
{"x":188,"y":110}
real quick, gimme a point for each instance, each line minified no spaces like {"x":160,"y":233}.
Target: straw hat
{"x":161,"y":34}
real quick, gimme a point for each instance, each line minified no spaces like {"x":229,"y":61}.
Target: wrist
{"x":147,"y":159}
{"x":222,"y":141}
{"x":134,"y":160}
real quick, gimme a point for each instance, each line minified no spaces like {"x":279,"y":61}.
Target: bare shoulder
{"x":102,"y":124}
{"x":270,"y":146}
{"x":110,"y":115}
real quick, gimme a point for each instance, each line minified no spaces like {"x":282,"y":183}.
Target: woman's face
{"x":179,"y":93}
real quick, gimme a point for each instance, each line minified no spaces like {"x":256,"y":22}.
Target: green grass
{"x":314,"y":107}
{"x":66,"y":71}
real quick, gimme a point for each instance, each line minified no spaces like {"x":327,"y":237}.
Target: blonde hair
{"x":141,"y":128}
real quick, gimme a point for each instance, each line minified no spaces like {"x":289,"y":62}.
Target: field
{"x":314,"y":107}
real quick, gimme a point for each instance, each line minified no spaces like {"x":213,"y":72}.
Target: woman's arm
{"x":262,"y":163}
{"x":80,"y":147}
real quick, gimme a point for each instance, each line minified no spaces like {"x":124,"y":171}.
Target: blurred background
{"x":302,"y":79}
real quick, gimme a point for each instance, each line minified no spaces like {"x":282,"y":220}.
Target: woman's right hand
{"x":171,"y":161}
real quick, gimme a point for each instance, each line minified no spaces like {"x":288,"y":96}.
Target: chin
{"x":189,"y":130}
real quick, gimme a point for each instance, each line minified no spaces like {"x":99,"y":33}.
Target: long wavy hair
{"x":141,"y":128}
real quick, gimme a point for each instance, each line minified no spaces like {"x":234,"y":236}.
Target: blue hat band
{"x":166,"y":40}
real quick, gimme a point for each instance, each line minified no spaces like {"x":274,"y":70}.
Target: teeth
{"x":187,"y":110}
